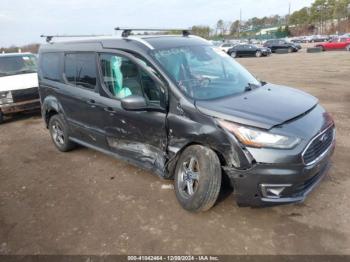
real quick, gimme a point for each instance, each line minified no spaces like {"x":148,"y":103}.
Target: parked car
{"x":226,"y":46}
{"x":282,"y":44}
{"x":176,"y":105}
{"x":18,"y":83}
{"x":248,"y":50}
{"x":298,"y":40}
{"x":339,"y":43}
{"x":319,"y":38}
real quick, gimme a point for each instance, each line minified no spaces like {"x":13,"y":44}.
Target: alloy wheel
{"x":57,"y":133}
{"x":189,"y":177}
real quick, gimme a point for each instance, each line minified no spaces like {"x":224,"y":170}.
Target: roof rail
{"x":50,"y":37}
{"x":127,"y":31}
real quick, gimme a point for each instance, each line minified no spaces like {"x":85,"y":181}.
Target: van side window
{"x":123,"y":78}
{"x":120,"y":75}
{"x":80,"y":69}
{"x":50,"y":66}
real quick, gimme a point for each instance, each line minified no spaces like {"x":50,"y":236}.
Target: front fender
{"x":184,"y":131}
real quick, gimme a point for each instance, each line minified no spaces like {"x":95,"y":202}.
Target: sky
{"x":23,"y":21}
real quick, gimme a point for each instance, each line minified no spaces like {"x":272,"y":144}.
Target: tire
{"x":258,"y":54}
{"x":348,"y":48}
{"x":197,"y":178}
{"x":233,"y":54}
{"x":290,"y":50}
{"x":59,"y":134}
{"x":322,"y":48}
{"x":1,"y":117}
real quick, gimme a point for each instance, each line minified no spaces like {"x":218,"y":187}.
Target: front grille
{"x":318,"y":146}
{"x":25,"y":94}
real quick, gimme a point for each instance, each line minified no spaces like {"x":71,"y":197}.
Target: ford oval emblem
{"x":323,"y":138}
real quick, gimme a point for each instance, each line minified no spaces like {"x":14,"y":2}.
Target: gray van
{"x":179,"y":106}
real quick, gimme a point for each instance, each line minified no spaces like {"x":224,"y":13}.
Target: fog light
{"x":273,"y":190}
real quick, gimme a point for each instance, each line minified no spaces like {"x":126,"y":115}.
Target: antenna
{"x":50,"y":37}
{"x":127,"y":31}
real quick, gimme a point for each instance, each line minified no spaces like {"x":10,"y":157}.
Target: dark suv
{"x":179,"y":106}
{"x":282,"y":44}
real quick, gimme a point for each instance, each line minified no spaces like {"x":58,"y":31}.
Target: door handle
{"x":92,"y":102}
{"x":109,"y":110}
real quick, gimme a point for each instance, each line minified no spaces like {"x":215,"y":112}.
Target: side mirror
{"x":134,"y":103}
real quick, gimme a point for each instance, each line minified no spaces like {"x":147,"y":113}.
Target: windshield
{"x":17,"y":64}
{"x":205,"y":72}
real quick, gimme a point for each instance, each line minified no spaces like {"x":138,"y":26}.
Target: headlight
{"x":257,"y":138}
{"x":6,"y":98}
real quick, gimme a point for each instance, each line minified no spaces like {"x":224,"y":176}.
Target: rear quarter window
{"x":80,"y":69}
{"x":50,"y":66}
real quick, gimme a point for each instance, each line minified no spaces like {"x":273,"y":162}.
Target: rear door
{"x":282,"y":44}
{"x":250,"y":51}
{"x":239,"y":50}
{"x":137,"y":135}
{"x":343,"y":43}
{"x":333,"y":44}
{"x":79,"y":96}
{"x":274,"y":45}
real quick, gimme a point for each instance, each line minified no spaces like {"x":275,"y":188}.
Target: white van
{"x":18,"y":83}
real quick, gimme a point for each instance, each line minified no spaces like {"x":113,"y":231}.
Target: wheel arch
{"x":322,"y":47}
{"x":50,"y":107}
{"x":171,"y":164}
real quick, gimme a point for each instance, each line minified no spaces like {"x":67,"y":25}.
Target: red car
{"x":341,"y":43}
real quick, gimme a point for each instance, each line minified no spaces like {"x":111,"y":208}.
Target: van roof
{"x":132,"y":43}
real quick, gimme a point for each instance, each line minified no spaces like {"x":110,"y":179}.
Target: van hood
{"x":263,"y":107}
{"x":16,"y":82}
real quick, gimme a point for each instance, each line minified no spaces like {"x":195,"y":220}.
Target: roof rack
{"x":50,"y":37}
{"x":127,"y":31}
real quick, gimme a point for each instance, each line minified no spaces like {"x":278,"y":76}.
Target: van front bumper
{"x":20,"y":106}
{"x":276,"y":184}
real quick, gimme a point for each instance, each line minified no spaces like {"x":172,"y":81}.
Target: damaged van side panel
{"x":186,"y":126}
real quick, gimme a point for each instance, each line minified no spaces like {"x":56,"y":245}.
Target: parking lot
{"x":84,"y":202}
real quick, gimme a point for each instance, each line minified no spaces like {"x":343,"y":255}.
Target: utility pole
{"x":240,"y":22}
{"x":320,"y":11}
{"x":288,"y":13}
